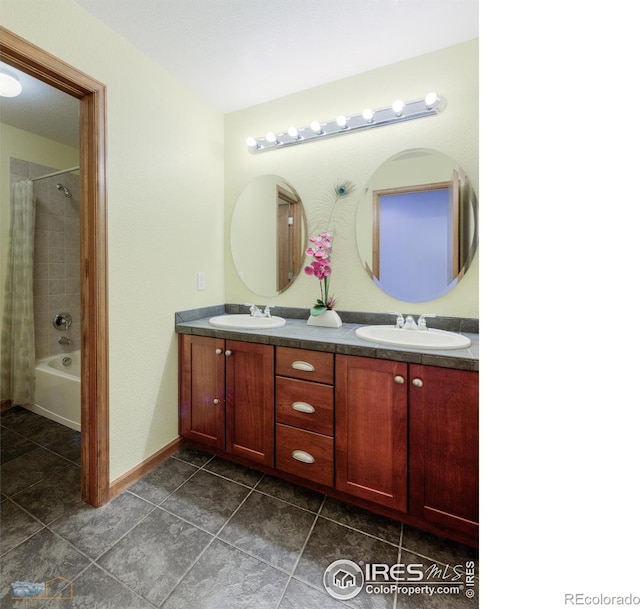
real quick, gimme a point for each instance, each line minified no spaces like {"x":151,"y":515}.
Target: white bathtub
{"x":58,"y":389}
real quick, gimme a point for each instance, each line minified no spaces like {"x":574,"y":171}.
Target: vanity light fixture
{"x":272,"y":139}
{"x":316,"y":127}
{"x":294,"y":133}
{"x":398,"y":107}
{"x":9,"y":85}
{"x":399,"y":111}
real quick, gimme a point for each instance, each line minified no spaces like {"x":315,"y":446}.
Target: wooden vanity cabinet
{"x":444,"y":450}
{"x":402,"y":438}
{"x":226,"y":396}
{"x":407,"y":438}
{"x":371,"y":430}
{"x":202,"y":395}
{"x":249,"y":392}
{"x":304,"y":414}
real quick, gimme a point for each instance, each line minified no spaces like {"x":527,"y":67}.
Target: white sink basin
{"x":416,"y":339}
{"x":244,"y":321}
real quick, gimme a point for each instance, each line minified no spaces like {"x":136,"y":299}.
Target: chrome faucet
{"x":422,"y":322}
{"x":256,"y":312}
{"x":410,"y":323}
{"x":406,"y":323}
{"x":63,"y":340}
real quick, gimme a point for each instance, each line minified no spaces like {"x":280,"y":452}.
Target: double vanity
{"x":367,"y":413}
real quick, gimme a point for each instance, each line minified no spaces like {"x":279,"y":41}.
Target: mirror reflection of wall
{"x":416,"y":225}
{"x":268,"y":234}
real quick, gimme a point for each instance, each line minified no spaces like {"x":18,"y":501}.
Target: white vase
{"x":326,"y":319}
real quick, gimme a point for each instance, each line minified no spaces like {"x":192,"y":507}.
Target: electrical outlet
{"x":201,"y":281}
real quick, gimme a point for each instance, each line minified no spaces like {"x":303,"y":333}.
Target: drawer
{"x":303,"y":364}
{"x":305,"y":454}
{"x":305,"y":405}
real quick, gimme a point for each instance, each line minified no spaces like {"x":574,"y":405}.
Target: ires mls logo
{"x":343,"y":579}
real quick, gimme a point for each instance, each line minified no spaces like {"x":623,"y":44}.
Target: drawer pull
{"x":303,"y":456}
{"x":303,"y":407}
{"x":304,"y":366}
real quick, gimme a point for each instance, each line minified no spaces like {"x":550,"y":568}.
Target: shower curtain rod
{"x":55,"y":173}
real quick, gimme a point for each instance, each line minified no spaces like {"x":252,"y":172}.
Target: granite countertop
{"x":296,"y":333}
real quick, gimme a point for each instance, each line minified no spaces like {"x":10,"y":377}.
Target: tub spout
{"x":63,"y":340}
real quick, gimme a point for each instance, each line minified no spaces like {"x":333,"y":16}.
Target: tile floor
{"x":196,"y":532}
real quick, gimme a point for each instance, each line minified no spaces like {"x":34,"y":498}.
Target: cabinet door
{"x":250,"y":401}
{"x":371,"y":430}
{"x":444,"y":448}
{"x":202,"y":408}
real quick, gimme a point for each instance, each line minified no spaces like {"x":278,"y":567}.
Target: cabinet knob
{"x":303,"y":407}
{"x":227,"y":352}
{"x":216,"y":401}
{"x":417,"y":382}
{"x":399,"y":380}
{"x":303,"y":456}
{"x":218,"y":351}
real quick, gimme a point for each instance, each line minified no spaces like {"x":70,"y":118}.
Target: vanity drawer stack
{"x":304,"y":414}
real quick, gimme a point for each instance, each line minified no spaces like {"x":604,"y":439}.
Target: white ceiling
{"x":238,"y":53}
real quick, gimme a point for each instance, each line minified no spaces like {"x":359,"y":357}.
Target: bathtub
{"x":58,"y":389}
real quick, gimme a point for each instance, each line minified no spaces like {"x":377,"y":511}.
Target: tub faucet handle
{"x":61,"y":321}
{"x":63,"y":340}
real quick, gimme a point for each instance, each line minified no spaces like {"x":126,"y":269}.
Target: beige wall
{"x":165,"y":215}
{"x":313,"y":168}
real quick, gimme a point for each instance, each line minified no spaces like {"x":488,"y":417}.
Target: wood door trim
{"x":40,"y":64}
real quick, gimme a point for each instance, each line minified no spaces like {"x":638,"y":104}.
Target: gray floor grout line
{"x":348,"y":526}
{"x":188,"y":570}
{"x":112,"y":576}
{"x":214,"y":538}
{"x":155,"y":507}
{"x":304,"y":545}
{"x":398,"y":561}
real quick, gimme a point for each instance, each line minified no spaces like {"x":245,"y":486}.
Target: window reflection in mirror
{"x":417,"y":225}
{"x":268,"y":233}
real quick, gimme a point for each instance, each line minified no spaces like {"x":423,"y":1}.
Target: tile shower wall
{"x":57,"y":255}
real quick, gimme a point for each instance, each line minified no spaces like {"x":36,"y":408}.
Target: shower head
{"x":65,"y":189}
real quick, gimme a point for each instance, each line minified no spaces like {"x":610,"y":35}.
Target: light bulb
{"x":9,"y":85}
{"x":431,"y":100}
{"x":251,"y":142}
{"x":293,"y":132}
{"x":271,"y":137}
{"x":367,"y":115}
{"x":342,"y":121}
{"x":316,"y":127}
{"x":398,"y":107}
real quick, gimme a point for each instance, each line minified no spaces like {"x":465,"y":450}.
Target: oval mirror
{"x":268,"y":235}
{"x":417,"y":225}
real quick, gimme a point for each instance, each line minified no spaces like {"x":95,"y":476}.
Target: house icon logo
{"x":343,"y":579}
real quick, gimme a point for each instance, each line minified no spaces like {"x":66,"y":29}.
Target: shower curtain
{"x":17,"y":381}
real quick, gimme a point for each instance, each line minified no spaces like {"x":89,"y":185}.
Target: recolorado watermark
{"x":601,"y":600}
{"x":345,"y":579}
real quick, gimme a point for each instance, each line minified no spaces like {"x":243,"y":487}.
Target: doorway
{"x":36,"y":62}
